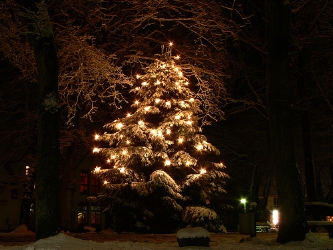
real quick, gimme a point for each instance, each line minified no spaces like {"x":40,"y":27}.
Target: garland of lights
{"x":165,"y":91}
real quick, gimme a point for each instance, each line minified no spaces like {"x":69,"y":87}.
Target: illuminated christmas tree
{"x":156,"y":178}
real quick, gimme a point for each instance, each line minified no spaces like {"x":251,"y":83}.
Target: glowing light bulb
{"x":199,"y":147}
{"x":157,"y":82}
{"x":128,"y":115}
{"x":141,"y":123}
{"x":191,"y":100}
{"x":97,"y":169}
{"x":113,"y":157}
{"x":136,"y":102}
{"x":177,"y":117}
{"x":177,"y":57}
{"x":167,"y":163}
{"x":128,"y":142}
{"x":189,"y":122}
{"x":157,"y":100}
{"x":96,"y":150}
{"x":96,"y":137}
{"x":203,"y":171}
{"x":168,"y":104}
{"x":147,"y":108}
{"x":138,"y":76}
{"x":188,"y":163}
{"x":122,"y":170}
{"x":119,"y":125}
{"x":137,"y":88}
{"x":180,"y":74}
{"x":170,"y":43}
{"x":168,"y":131}
{"x":186,"y":83}
{"x":106,"y":182}
{"x":108,"y":160}
{"x":124,"y":152}
{"x":144,"y":83}
{"x":180,"y":140}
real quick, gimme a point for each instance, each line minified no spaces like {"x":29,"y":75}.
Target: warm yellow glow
{"x":180,"y":74}
{"x":95,"y":150}
{"x":27,"y":170}
{"x":168,"y":104}
{"x":177,"y":83}
{"x":108,"y":160}
{"x":168,"y":131}
{"x":191,"y":100}
{"x":171,"y":43}
{"x":128,"y":115}
{"x":186,"y":83}
{"x":159,"y":133}
{"x":176,"y":69}
{"x":188,"y":163}
{"x":203,"y":171}
{"x":177,"y":57}
{"x":177,"y":117}
{"x":275,"y":217}
{"x":167,"y":163}
{"x":137,"y":88}
{"x":96,"y":137}
{"x":138,"y":76}
{"x":113,"y":157}
{"x":124,"y":152}
{"x":144,"y":83}
{"x":97,"y":169}
{"x":106,"y":182}
{"x":199,"y":147}
{"x":136,"y":102}
{"x":128,"y":142}
{"x":158,"y":82}
{"x":122,"y":170}
{"x":141,"y":123}
{"x":189,"y":122}
{"x":147,"y":108}
{"x":180,"y":140}
{"x":157,"y":100}
{"x":119,"y":125}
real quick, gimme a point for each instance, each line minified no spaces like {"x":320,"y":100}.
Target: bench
{"x":316,"y":215}
{"x":328,"y":225}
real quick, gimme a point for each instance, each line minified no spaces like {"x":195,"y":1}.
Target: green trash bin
{"x":246,"y":223}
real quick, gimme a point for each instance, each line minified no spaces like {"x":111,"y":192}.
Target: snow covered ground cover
{"x":315,"y":241}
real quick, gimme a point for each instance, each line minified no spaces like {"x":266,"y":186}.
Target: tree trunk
{"x":292,"y":223}
{"x":47,"y":175}
{"x":307,"y":146}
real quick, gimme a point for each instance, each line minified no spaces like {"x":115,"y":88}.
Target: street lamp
{"x":244,"y":202}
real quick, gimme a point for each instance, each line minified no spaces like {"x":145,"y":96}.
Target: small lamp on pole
{"x":244,"y":202}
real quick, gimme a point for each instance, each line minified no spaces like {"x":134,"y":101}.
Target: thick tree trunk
{"x":306,"y":133}
{"x":47,"y":180}
{"x":47,"y":175}
{"x":292,"y":223}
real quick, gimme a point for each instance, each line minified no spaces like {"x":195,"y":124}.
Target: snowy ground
{"x":315,"y":241}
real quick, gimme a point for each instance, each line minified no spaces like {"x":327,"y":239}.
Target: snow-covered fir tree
{"x":156,"y":177}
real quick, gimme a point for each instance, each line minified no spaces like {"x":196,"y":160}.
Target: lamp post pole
{"x":244,"y":202}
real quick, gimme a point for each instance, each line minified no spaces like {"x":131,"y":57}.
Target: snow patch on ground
{"x":63,"y":241}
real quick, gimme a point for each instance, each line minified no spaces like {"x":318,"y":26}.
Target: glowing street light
{"x":275,"y":217}
{"x":244,"y":202}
